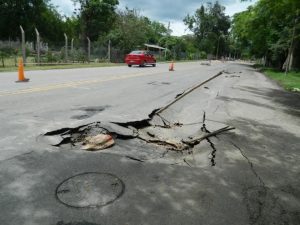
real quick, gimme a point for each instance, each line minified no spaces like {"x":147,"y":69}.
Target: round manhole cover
{"x":89,"y":190}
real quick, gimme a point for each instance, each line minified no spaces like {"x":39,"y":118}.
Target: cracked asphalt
{"x":249,"y":175}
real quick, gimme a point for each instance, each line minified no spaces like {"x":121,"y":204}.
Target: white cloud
{"x":238,"y":7}
{"x":165,"y":11}
{"x":178,"y":28}
{"x":65,"y":7}
{"x":174,"y":11}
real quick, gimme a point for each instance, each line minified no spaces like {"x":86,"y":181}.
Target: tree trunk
{"x":2,"y":59}
{"x":288,"y":64}
{"x":291,"y":59}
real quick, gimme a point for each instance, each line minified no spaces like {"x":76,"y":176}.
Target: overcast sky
{"x":165,"y":11}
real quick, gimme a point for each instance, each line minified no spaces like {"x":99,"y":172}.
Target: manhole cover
{"x":89,"y":190}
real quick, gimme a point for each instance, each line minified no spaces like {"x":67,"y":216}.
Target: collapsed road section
{"x":155,"y":130}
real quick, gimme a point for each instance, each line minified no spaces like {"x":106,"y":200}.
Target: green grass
{"x":52,"y":67}
{"x":290,"y":81}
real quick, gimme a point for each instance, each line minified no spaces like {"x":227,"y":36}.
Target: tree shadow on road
{"x":274,"y":154}
{"x":290,"y":101}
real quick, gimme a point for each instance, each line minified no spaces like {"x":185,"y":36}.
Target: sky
{"x":165,"y":11}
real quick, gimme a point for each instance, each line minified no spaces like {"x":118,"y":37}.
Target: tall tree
{"x":96,"y":17}
{"x":30,"y":14}
{"x":270,"y":29}
{"x":14,"y":13}
{"x":124,"y":32}
{"x":210,"y":25}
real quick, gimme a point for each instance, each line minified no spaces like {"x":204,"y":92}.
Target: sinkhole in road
{"x":90,"y":190}
{"x":155,"y":130}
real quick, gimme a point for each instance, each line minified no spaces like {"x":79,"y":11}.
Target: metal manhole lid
{"x":90,"y":190}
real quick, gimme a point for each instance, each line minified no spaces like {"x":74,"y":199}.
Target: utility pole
{"x":66,"y":47}
{"x":23,"y":45}
{"x":72,"y":49}
{"x":109,"y":43}
{"x":38,"y":45}
{"x":218,"y":47}
{"x":89,"y":49}
{"x":169,"y":34}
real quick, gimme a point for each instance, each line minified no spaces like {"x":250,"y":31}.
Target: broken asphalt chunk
{"x":98,"y":142}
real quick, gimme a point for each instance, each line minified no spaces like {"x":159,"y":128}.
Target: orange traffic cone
{"x":171,"y":67}
{"x":21,"y":77}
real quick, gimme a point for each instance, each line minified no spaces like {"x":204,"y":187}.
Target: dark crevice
{"x":135,"y":159}
{"x":166,"y":123}
{"x":167,"y":144}
{"x":136,"y":124}
{"x":250,"y":164}
{"x":150,"y":134}
{"x":214,"y":150}
{"x":58,"y":132}
{"x":164,"y":153}
{"x":139,"y":124}
{"x":153,"y":113}
{"x":122,"y":136}
{"x":184,"y":160}
{"x":213,"y":153}
{"x":178,"y":95}
{"x":203,"y":128}
{"x":64,"y":141}
{"x":66,"y":130}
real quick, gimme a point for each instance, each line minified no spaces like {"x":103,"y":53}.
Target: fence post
{"x":38,"y":45}
{"x":72,"y":49}
{"x":89,"y":49}
{"x":109,"y":43}
{"x":66,"y":47}
{"x":23,"y":45}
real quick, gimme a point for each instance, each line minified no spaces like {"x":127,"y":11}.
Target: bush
{"x":203,"y":55}
{"x":52,"y":57}
{"x":79,"y":55}
{"x":7,"y":52}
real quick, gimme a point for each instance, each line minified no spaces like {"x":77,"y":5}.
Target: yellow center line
{"x":72,"y":84}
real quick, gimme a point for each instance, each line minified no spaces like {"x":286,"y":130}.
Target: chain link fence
{"x":57,"y":53}
{"x":70,"y":51}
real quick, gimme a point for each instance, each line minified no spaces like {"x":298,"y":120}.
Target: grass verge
{"x":290,"y":81}
{"x":53,"y":67}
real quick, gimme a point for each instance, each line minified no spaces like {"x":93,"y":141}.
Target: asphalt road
{"x":246,"y":176}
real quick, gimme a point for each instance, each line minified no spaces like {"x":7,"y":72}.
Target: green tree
{"x":96,"y":17}
{"x":125,"y":36}
{"x":30,"y":14}
{"x":270,"y":29}
{"x":156,"y":31}
{"x":51,"y":25}
{"x":210,"y":25}
{"x":176,"y":46}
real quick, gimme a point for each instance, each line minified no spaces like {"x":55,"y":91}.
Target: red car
{"x":141,"y":58}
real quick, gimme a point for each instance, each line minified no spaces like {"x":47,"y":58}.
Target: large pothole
{"x":158,"y":130}
{"x":90,"y":190}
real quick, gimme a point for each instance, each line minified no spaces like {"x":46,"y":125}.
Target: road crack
{"x":262,"y":205}
{"x":250,"y":164}
{"x":17,"y":156}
